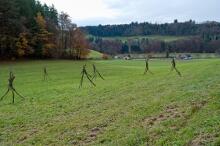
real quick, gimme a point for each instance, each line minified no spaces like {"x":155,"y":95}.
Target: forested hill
{"x":134,"y":29}
{"x":30,"y":29}
{"x":190,"y":37}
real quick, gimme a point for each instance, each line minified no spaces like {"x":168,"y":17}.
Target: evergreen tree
{"x":10,"y":27}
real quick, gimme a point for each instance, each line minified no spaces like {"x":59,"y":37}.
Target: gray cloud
{"x":158,"y":11}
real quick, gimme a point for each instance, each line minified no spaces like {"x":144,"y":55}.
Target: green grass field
{"x":150,"y":37}
{"x":127,"y":109}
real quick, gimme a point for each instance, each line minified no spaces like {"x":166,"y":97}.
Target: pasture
{"x":150,"y":37}
{"x":95,"y":55}
{"x":126,"y":109}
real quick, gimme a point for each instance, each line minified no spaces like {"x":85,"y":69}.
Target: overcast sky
{"x":94,"y":12}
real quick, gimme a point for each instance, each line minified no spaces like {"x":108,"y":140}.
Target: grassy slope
{"x":125,"y":109}
{"x":151,"y":37}
{"x":95,"y":55}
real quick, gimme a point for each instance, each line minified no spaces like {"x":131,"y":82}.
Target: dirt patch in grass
{"x":196,"y":106}
{"x":93,"y":133}
{"x":174,"y":111}
{"x":179,"y":117}
{"x":169,"y":113}
{"x":27,"y":135}
{"x":203,"y":139}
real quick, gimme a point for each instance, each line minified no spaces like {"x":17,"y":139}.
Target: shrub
{"x":105,"y":57}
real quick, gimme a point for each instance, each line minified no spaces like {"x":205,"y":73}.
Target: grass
{"x":127,"y":108}
{"x":150,"y":37}
{"x":95,"y":55}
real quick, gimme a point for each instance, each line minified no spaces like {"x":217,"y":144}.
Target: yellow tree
{"x":23,"y":49}
{"x":43,"y":40}
{"x":40,"y":21}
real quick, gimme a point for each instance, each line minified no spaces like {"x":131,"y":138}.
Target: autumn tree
{"x":43,"y":40}
{"x":79,"y":44}
{"x":65,"y":26}
{"x":22,"y":46}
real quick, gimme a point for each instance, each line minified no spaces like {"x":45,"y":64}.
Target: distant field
{"x":152,"y":37}
{"x":126,"y":109}
{"x":162,"y":55}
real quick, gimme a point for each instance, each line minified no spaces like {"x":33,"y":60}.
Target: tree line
{"x":200,"y":37}
{"x":29,"y":29}
{"x":135,"y":29}
{"x":194,"y":44}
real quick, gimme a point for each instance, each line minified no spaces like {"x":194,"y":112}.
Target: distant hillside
{"x":150,"y":37}
{"x":189,"y":28}
{"x":187,"y":37}
{"x":155,"y":44}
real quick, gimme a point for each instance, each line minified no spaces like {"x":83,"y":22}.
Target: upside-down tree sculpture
{"x":147,"y":66}
{"x":45,"y":73}
{"x":95,"y":72}
{"x":11,"y":88}
{"x":173,"y":67}
{"x":85,"y":73}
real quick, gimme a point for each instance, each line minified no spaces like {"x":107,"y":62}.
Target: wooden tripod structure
{"x":173,"y":67}
{"x":11,"y":88}
{"x":95,"y":72}
{"x":85,"y":73}
{"x":147,"y":66}
{"x":45,"y":73}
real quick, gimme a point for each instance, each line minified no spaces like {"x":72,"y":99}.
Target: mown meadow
{"x":126,"y":109}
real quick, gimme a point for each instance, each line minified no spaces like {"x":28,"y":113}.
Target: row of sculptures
{"x":84,"y":73}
